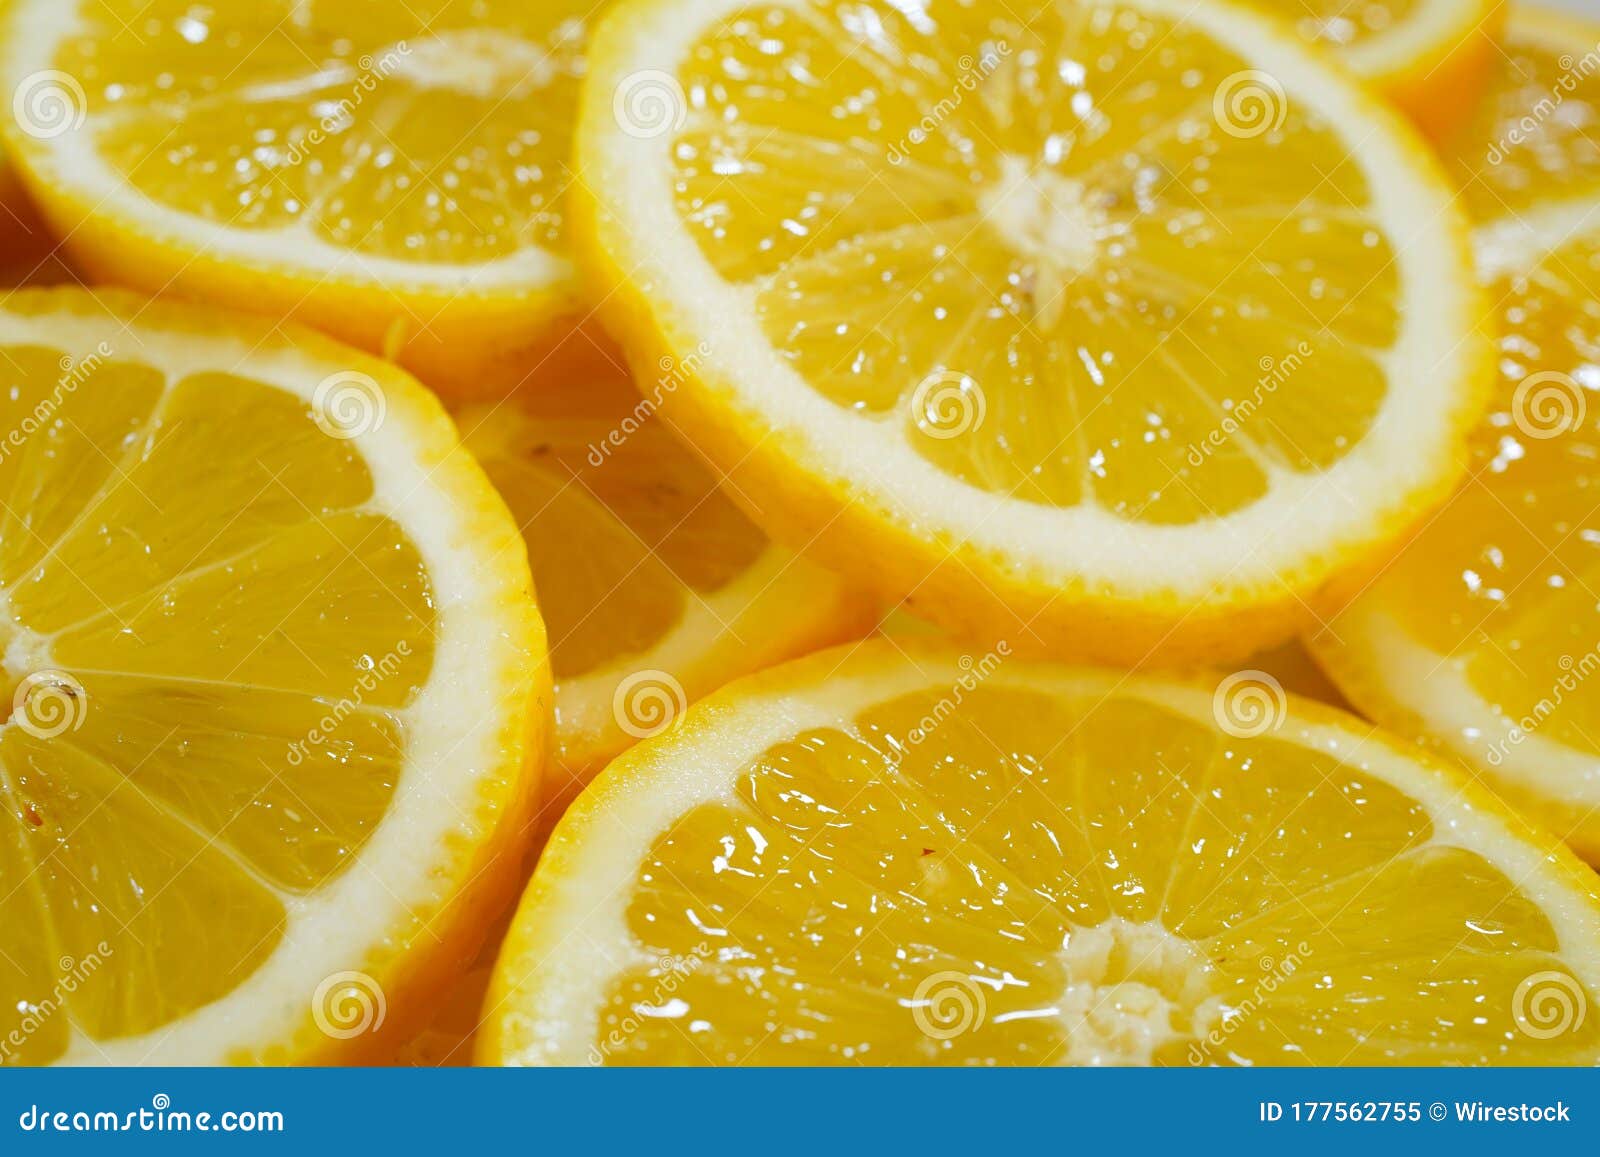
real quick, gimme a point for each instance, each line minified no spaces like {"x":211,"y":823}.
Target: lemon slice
{"x":654,"y":587}
{"x":1428,"y":56}
{"x":391,"y":174}
{"x":899,"y":857}
{"x":274,"y":690}
{"x":1481,"y":638}
{"x":1041,"y":326}
{"x":1528,"y":158}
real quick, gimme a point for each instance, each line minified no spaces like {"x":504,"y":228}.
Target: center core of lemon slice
{"x":1132,"y":988}
{"x":1043,"y":216}
{"x":24,"y":663}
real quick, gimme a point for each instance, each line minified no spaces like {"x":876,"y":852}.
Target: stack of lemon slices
{"x":1481,"y":640}
{"x":1136,"y":332}
{"x":666,"y":590}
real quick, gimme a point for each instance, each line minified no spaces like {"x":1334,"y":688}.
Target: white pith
{"x":1519,"y":241}
{"x":1432,"y":29}
{"x":1305,"y":521}
{"x":1436,"y":688}
{"x":583,"y":941}
{"x":454,"y":744}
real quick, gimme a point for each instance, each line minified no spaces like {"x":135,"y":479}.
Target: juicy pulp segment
{"x":241,"y":637}
{"x":1534,"y":137}
{"x":1084,"y":877}
{"x":1503,"y":579}
{"x":343,"y":123}
{"x":1078,"y":268}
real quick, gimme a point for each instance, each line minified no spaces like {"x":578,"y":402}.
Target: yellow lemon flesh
{"x":900,"y":856}
{"x":1427,"y":56}
{"x":392,"y":173}
{"x":654,"y":587}
{"x":1529,"y":146}
{"x":274,"y":683}
{"x":1482,"y":638}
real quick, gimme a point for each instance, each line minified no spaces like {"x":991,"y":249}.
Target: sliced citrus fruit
{"x":1121,"y":330}
{"x":392,"y":173}
{"x":654,"y":587}
{"x":274,"y":687}
{"x":1428,"y":56}
{"x":893,"y":857}
{"x":1530,"y":152}
{"x":1481,"y":639}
